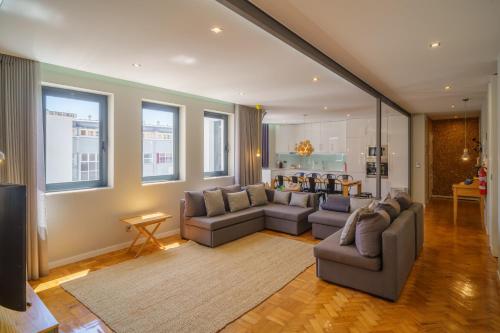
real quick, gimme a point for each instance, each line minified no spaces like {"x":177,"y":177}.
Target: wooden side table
{"x":471,"y":191}
{"x":140,"y":223}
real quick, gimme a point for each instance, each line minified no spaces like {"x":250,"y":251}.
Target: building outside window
{"x":160,"y":142}
{"x":215,"y":144}
{"x":75,"y":139}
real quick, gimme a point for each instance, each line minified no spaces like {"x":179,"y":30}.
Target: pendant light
{"x":465,"y":154}
{"x":304,"y":148}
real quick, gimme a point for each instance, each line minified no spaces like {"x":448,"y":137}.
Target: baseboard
{"x":98,"y":252}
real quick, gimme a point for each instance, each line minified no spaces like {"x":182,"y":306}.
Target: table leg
{"x":455,"y":206}
{"x":359,"y":188}
{"x":148,"y":236}
{"x":133,"y":243}
{"x":345,"y":190}
{"x":151,"y":236}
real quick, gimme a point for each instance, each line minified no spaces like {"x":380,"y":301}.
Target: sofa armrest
{"x":398,"y":252}
{"x":182,"y":218}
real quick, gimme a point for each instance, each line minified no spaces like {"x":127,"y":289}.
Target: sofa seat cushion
{"x":228,"y":219}
{"x":330,"y":249}
{"x":326,"y":217}
{"x":291,"y":213}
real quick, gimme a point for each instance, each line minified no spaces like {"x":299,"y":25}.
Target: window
{"x":75,"y":139}
{"x":215,"y":144}
{"x":160,"y":142}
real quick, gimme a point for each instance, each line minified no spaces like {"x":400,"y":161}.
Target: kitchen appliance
{"x":372,"y":154}
{"x":371,"y":169}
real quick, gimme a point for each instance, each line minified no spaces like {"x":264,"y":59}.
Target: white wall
{"x":419,"y":158}
{"x":83,"y":223}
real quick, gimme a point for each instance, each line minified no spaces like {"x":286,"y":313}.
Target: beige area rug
{"x":192,"y":288}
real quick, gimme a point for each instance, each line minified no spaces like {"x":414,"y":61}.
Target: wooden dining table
{"x":347,"y":184}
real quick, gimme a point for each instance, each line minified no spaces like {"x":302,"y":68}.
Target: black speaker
{"x":13,"y":247}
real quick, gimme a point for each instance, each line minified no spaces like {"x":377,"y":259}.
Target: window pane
{"x":72,"y":122}
{"x":158,"y":131}
{"x":215,"y":140}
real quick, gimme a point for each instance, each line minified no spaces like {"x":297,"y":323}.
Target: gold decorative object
{"x":304,"y":148}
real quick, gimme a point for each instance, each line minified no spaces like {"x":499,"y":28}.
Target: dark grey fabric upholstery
{"x":291,"y":213}
{"x":228,"y":189}
{"x":322,"y":231}
{"x":398,"y":256}
{"x":194,"y":204}
{"x":418,"y":209}
{"x":337,"y":203}
{"x":334,"y":219}
{"x":287,"y":226}
{"x":330,"y":249}
{"x":369,"y":228}
{"x":222,"y":221}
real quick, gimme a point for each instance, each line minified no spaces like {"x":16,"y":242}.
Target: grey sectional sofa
{"x":325,"y":223}
{"x":383,"y":276}
{"x":217,"y":230}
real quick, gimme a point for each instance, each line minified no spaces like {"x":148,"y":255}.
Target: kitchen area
{"x":343,"y":147}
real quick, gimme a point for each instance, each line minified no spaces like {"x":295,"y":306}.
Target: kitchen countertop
{"x":303,"y":169}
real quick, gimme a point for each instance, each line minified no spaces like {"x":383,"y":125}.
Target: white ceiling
{"x":386,"y":43}
{"x":173,"y":43}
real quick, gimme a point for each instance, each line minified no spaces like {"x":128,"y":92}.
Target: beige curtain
{"x":249,"y":136}
{"x":21,"y":139}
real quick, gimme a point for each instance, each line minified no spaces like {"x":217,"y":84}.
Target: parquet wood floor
{"x":453,"y":287}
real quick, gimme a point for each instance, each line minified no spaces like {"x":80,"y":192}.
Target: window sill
{"x":92,"y":189}
{"x":217,"y":177}
{"x":163,"y":182}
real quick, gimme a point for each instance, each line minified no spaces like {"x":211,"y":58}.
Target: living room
{"x":222,"y":144}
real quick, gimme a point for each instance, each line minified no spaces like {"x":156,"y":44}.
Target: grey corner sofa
{"x":383,"y":276}
{"x":325,"y":223}
{"x":217,"y":230}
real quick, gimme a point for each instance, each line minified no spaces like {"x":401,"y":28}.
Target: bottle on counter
{"x":280,"y":164}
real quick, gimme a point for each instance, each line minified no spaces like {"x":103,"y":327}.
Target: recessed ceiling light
{"x":453,"y":106}
{"x":315,"y":79}
{"x":242,"y":93}
{"x":136,"y":65}
{"x":447,"y":87}
{"x":434,"y":45}
{"x":348,"y":115}
{"x":325,"y":107}
{"x":216,"y":30}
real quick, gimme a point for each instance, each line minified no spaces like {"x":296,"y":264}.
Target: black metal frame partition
{"x":260,"y":18}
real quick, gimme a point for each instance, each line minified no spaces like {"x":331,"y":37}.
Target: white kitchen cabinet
{"x":356,"y":155}
{"x":333,"y":137}
{"x":398,"y":151}
{"x":283,"y":135}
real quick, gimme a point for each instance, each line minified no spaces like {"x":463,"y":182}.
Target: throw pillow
{"x":214,"y":203}
{"x":337,"y":203}
{"x":373,"y":204}
{"x":384,"y":214}
{"x":270,"y":194}
{"x":299,"y":200}
{"x":228,"y":189}
{"x":257,"y":194}
{"x":388,"y":208}
{"x":194,"y":204}
{"x":238,"y":201}
{"x":282,"y":198}
{"x":368,"y":235}
{"x":360,"y":203}
{"x":394,"y":203}
{"x":404,"y":200}
{"x":349,"y":230}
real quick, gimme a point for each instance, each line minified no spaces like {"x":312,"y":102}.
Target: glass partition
{"x":395,"y":156}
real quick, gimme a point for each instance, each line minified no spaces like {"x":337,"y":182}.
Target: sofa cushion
{"x":349,"y":230}
{"x":282,"y":198}
{"x":228,"y":189}
{"x":291,"y":213}
{"x":194,"y":204}
{"x":330,"y":249}
{"x":404,"y":200}
{"x":299,"y":200}
{"x":228,"y":219}
{"x":393,"y":213}
{"x":238,"y":201}
{"x":257,"y":193}
{"x":337,"y":203}
{"x":334,"y":219}
{"x":369,"y":229}
{"x":214,"y":202}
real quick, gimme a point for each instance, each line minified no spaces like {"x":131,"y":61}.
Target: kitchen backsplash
{"x":329,"y":162}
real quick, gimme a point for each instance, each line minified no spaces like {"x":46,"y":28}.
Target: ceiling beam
{"x":260,"y":18}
